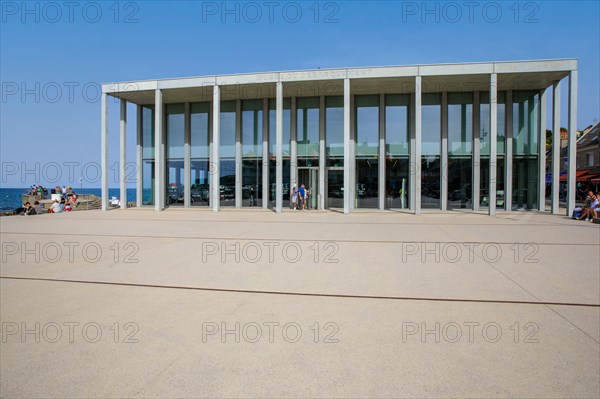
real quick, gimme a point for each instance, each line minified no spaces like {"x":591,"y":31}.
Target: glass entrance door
{"x":310,"y":178}
{"x":334,"y":188}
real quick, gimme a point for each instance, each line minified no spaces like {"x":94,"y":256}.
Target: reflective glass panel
{"x":367,"y":125}
{"x":175,"y":179}
{"x":227,"y":178}
{"x":334,"y":127}
{"x":484,"y":122}
{"x":430,"y":182}
{"x":525,"y":122}
{"x":200,"y":130}
{"x":460,"y":188}
{"x":252,"y":128}
{"x":147,"y":132}
{"x":285,"y":143}
{"x":148,"y":182}
{"x":484,"y":197}
{"x":200,"y":182}
{"x":397,"y":181}
{"x":308,"y":127}
{"x":431,"y":127}
{"x":175,"y":130}
{"x":367,"y":182}
{"x":397,"y":133}
{"x":227,"y":138}
{"x":252,"y":182}
{"x":335,"y":188}
{"x":460,"y":123}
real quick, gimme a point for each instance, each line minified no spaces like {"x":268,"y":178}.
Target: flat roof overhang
{"x":512,"y":75}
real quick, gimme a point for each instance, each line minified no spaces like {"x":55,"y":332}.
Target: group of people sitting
{"x":56,"y":207}
{"x":590,"y":208}
{"x":63,"y":205}
{"x":67,"y":202}
{"x":29,"y":209}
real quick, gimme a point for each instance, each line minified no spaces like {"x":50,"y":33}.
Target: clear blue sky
{"x":61,"y":53}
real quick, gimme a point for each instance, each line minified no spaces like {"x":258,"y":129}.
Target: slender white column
{"x":542,"y":152}
{"x":123,"y":155}
{"x":353,"y":198}
{"x":493,"y":142}
{"x":533,"y":112}
{"x":159,"y":183}
{"x":216,"y":160}
{"x":444,"y":153}
{"x":555,"y":146}
{"x":346,"y":145}
{"x":321,"y":197}
{"x":508,"y":151}
{"x":238,"y":154}
{"x":266,"y":189}
{"x":104,"y":149}
{"x":381,"y":183}
{"x":476,"y":151}
{"x":187,"y":152}
{"x":572,"y":148}
{"x":163,"y":152}
{"x":412,"y":155}
{"x":293,"y":144}
{"x":138,"y":164}
{"x":279,"y":147}
{"x":417,"y":166}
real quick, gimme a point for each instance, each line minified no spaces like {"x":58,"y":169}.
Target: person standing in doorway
{"x":306,"y":201}
{"x":294,"y":197}
{"x":302,"y":196}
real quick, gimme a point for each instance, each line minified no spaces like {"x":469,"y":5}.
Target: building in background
{"x":455,"y":136}
{"x":588,"y":158}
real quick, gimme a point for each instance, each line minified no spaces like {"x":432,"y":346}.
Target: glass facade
{"x":367,"y":150}
{"x":257,"y":133}
{"x":307,"y":130}
{"x":397,"y":151}
{"x":175,"y":118}
{"x":460,"y":155}
{"x":148,"y":155}
{"x":334,"y":152}
{"x":525,"y":150}
{"x":285,"y":147}
{"x":334,"y":130}
{"x":200,"y":139}
{"x":484,"y":140}
{"x":227,"y":154}
{"x":431,"y":138}
{"x":252,"y":151}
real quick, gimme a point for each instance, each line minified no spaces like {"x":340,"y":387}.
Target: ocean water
{"x":10,"y":198}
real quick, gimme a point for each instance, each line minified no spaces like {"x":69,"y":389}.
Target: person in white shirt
{"x":55,"y":206}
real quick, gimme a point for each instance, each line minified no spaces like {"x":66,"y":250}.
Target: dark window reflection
{"x":430,"y":182}
{"x":397,"y":183}
{"x":200,"y":183}
{"x":367,"y":182}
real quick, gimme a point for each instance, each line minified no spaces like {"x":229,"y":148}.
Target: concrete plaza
{"x":190,"y":303}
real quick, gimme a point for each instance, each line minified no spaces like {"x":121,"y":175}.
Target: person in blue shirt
{"x":302,"y":196}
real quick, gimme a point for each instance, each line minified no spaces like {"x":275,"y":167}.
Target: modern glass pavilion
{"x":455,"y":136}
